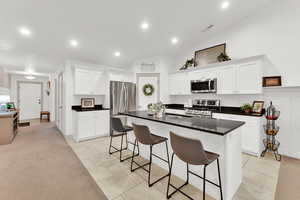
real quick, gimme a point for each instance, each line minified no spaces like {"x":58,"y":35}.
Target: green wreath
{"x":148,"y":89}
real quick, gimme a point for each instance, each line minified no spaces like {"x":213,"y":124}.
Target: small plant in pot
{"x":247,"y":108}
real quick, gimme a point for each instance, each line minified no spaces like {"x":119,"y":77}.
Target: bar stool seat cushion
{"x":157,"y":139}
{"x":211,"y":157}
{"x":128,"y":128}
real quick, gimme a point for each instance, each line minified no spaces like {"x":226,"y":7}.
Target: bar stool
{"x":119,"y":130}
{"x":192,"y":152}
{"x":144,"y":136}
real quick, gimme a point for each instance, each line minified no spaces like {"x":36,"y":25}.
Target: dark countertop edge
{"x":78,"y":108}
{"x":183,"y":126}
{"x":221,"y":112}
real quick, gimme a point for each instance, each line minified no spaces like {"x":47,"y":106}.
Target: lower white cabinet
{"x":90,"y":124}
{"x":252,"y":132}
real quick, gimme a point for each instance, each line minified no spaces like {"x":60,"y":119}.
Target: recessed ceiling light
{"x":74,"y":43}
{"x":117,"y":54}
{"x":25,"y":31}
{"x":144,"y":25}
{"x":174,"y":40}
{"x":30,"y":77}
{"x":225,"y":5}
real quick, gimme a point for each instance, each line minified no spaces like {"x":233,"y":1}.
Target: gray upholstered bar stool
{"x":119,"y":130}
{"x":144,"y":136}
{"x":192,"y":152}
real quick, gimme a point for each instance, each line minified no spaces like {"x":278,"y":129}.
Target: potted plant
{"x":247,"y":108}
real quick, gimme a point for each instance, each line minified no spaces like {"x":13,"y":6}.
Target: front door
{"x":30,"y":100}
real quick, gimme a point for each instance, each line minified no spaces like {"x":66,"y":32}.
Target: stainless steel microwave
{"x":204,"y":86}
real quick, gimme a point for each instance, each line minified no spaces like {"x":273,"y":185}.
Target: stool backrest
{"x":116,"y":125}
{"x":142,"y":134}
{"x":188,"y":150}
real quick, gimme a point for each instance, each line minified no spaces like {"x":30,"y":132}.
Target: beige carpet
{"x":39,"y":165}
{"x":288,"y":186}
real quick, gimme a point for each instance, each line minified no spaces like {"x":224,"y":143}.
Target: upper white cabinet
{"x":240,"y":79}
{"x":242,"y":76}
{"x":179,"y":84}
{"x":249,"y":78}
{"x":88,"y":82}
{"x":226,"y":83}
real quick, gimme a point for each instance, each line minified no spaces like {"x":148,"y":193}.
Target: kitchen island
{"x":217,"y":135}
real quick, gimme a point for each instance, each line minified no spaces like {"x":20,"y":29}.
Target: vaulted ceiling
{"x":103,"y":27}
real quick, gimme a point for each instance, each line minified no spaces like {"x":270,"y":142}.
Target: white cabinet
{"x":102,"y":122}
{"x":203,"y":74}
{"x":249,"y":78}
{"x":90,"y":124}
{"x":88,"y":82}
{"x":179,"y":84}
{"x":226,"y":83}
{"x":240,"y":79}
{"x":252,"y":132}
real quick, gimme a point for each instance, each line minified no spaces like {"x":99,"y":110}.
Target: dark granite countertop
{"x":78,"y":108}
{"x":223,"y":110}
{"x":214,"y":126}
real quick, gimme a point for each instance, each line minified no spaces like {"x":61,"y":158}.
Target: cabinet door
{"x":227,"y":80}
{"x":83,"y":82}
{"x":179,"y":84}
{"x":173,"y":84}
{"x":86,"y":125}
{"x":249,"y":78}
{"x":102,"y":123}
{"x":99,"y":87}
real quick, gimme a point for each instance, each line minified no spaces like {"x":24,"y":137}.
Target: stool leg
{"x":204,"y":180}
{"x":150,"y":163}
{"x":170,"y":174}
{"x":121,"y":149}
{"x":126,"y":141}
{"x":219,"y":174}
{"x":187,"y":173}
{"x":110,"y":145}
{"x":135,"y":141}
{"x":168,"y":156}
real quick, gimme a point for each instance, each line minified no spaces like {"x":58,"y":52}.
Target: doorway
{"x":59,"y":98}
{"x":143,"y":79}
{"x":30,"y":99}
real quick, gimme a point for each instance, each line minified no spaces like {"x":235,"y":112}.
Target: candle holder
{"x":271,"y":130}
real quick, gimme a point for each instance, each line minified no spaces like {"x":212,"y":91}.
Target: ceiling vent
{"x":208,"y":28}
{"x":147,"y":67}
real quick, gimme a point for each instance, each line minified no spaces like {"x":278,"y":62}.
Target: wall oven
{"x":204,"y":86}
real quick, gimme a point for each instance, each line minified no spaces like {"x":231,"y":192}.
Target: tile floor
{"x":118,"y":183}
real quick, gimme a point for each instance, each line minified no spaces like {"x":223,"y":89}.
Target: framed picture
{"x":87,"y":102}
{"x":209,"y":55}
{"x":271,"y":81}
{"x":258,"y":107}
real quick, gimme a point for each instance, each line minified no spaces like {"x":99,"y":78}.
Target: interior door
{"x":30,"y":100}
{"x":143,"y":100}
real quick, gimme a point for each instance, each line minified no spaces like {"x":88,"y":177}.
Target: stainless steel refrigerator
{"x":122,"y":98}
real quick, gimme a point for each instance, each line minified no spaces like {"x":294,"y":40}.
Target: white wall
{"x":273,"y":31}
{"x":14,"y":89}
{"x":162,"y":67}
